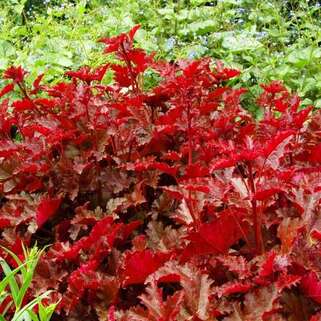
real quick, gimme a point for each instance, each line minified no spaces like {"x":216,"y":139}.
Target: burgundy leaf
{"x":46,"y":209}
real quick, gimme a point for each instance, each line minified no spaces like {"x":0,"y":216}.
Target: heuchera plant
{"x":163,"y":204}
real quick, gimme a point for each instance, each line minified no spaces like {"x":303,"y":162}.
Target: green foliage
{"x":14,"y":287}
{"x":266,"y":39}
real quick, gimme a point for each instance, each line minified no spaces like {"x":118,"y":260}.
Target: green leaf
{"x":45,"y":312}
{"x":6,"y":49}
{"x":317,"y":103}
{"x":15,"y":257}
{"x":33,"y":316}
{"x":5,"y":281}
{"x":28,"y":275}
{"x":11,"y":280}
{"x":240,"y":42}
{"x":200,"y":28}
{"x":63,"y":61}
{"x":30,"y":306}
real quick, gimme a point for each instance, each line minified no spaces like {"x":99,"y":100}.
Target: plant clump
{"x":165,"y":203}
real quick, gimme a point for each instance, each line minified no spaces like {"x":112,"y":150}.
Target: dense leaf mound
{"x":163,"y":204}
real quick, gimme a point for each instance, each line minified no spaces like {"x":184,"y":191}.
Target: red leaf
{"x":163,"y":167}
{"x":262,"y":195}
{"x":6,"y":90}
{"x":102,"y":230}
{"x":88,"y":75}
{"x":140,"y":59}
{"x":302,"y":116}
{"x":197,"y":188}
{"x":24,"y":104}
{"x":223,"y":163}
{"x":36,"y":84}
{"x":4,"y":222}
{"x":113,"y":44}
{"x":276,"y":141}
{"x":16,"y":74}
{"x":45,"y":103}
{"x":122,"y":75}
{"x":170,"y":278}
{"x":237,"y":265}
{"x":8,"y":148}
{"x":111,"y":314}
{"x":315,"y":154}
{"x":316,"y":234}
{"x":215,"y":237}
{"x":46,"y":209}
{"x":159,"y":308}
{"x":288,"y":232}
{"x":267,"y":268}
{"x":29,"y":131}
{"x":316,"y":317}
{"x":170,"y":117}
{"x":133,"y":31}
{"x":234,"y":287}
{"x":286,"y":281}
{"x":311,"y":286}
{"x":196,"y":170}
{"x":280,"y":105}
{"x":139,"y":265}
{"x":225,"y":73}
{"x":218,"y":92}
{"x":35,"y":185}
{"x":274,"y":87}
{"x":173,"y":156}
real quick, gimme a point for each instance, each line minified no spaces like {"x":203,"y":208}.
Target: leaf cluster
{"x":165,"y":202}
{"x":14,"y":288}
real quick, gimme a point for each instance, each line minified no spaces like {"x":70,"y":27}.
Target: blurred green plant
{"x":15,"y":284}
